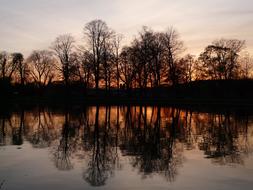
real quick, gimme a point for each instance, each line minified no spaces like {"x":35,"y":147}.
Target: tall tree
{"x":187,"y":64}
{"x":126,"y":67}
{"x":144,"y":47}
{"x":220,"y":60}
{"x":108,"y":60}
{"x":157,"y":65}
{"x":42,"y":66}
{"x":97,"y":35}
{"x":246,"y":65}
{"x":63,"y":47}
{"x":22,"y":69}
{"x":116,"y":46}
{"x":173,"y":47}
{"x":3,"y":64}
{"x":86,"y":59}
{"x":142,"y":56}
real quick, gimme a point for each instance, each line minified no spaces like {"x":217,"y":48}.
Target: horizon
{"x":30,"y":25}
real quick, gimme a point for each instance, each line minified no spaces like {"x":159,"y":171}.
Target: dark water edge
{"x":204,"y":104}
{"x":223,"y":93}
{"x":237,"y":107}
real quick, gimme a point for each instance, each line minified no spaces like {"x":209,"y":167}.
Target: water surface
{"x":127,"y":147}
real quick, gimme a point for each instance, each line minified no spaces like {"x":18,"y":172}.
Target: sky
{"x":27,"y":25}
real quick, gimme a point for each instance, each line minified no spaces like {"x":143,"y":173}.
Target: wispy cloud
{"x":29,"y":24}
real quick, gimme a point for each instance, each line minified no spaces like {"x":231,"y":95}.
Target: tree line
{"x":152,"y":59}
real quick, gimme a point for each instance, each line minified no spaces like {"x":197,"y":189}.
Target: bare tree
{"x":108,"y":59}
{"x":63,"y":47}
{"x":7,"y":66}
{"x":126,"y":67}
{"x":220,"y":60}
{"x":155,"y":56}
{"x":21,"y":66}
{"x":246,"y":65}
{"x":141,"y":57}
{"x":86,"y":67}
{"x":42,"y":66}
{"x":97,"y":34}
{"x":187,"y":64}
{"x":116,"y":44}
{"x":3,"y":64}
{"x":232,"y":47}
{"x":157,"y":65}
{"x":144,"y":47}
{"x":173,"y":47}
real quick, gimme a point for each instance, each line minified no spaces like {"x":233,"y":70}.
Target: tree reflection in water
{"x":153,"y":139}
{"x":103,"y":156}
{"x":151,"y":146}
{"x":224,"y":139}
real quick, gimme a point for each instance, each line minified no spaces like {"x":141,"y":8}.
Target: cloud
{"x":30,"y":24}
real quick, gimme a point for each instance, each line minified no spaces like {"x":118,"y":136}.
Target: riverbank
{"x":206,"y":93}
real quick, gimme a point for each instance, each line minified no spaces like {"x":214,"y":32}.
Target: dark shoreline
{"x":240,"y":107}
{"x":224,"y":95}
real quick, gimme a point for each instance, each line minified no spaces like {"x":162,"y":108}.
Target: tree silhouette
{"x":151,"y":60}
{"x":42,"y":66}
{"x":173,"y":46}
{"x":21,"y":67}
{"x":246,"y":65}
{"x":126,"y":68}
{"x":116,"y":47}
{"x":98,"y":36}
{"x":220,"y":60}
{"x":7,"y":66}
{"x":86,"y":68}
{"x":63,"y":48}
{"x":3,"y":64}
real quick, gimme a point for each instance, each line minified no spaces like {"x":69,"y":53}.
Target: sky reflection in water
{"x":125,"y":147}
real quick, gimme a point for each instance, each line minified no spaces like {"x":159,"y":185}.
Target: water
{"x":125,"y":148}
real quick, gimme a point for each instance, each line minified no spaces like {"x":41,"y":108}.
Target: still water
{"x":125,"y":148}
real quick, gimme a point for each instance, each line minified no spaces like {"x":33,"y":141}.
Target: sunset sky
{"x":26,"y":25}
